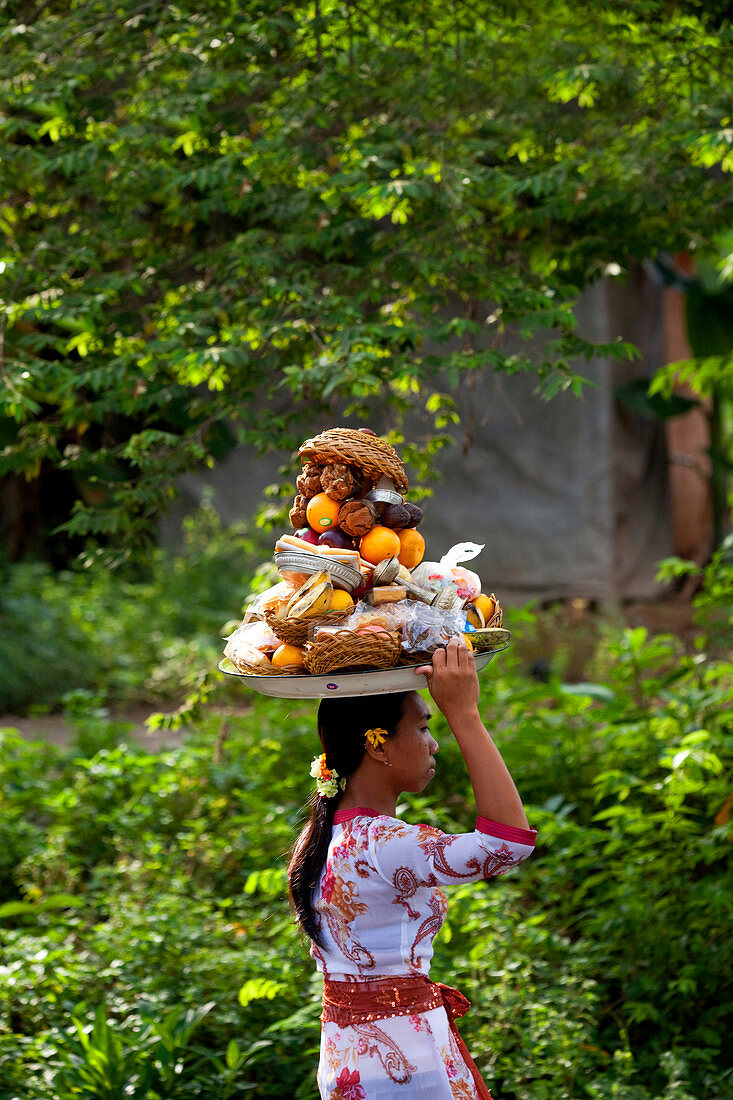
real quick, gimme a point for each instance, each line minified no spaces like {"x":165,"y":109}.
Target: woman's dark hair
{"x":342,"y":724}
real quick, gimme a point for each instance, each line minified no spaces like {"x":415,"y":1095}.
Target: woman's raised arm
{"x":453,"y":684}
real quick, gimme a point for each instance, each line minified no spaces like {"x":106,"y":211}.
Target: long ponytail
{"x":342,"y":724}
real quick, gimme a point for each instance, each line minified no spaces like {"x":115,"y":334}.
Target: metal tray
{"x":345,"y":683}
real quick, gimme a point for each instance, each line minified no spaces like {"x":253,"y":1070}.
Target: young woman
{"x":366,"y":886}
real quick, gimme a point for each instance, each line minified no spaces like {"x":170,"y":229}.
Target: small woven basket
{"x":294,"y":631}
{"x":346,"y":649}
{"x":370,"y":453}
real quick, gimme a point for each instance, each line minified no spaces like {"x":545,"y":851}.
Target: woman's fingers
{"x":453,"y":658}
{"x":440,"y":658}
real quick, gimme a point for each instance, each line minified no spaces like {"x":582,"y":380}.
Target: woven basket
{"x":370,"y":453}
{"x":294,"y":631}
{"x":348,"y":650}
{"x":497,"y":619}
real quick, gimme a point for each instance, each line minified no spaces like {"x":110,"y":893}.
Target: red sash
{"x":358,"y":1002}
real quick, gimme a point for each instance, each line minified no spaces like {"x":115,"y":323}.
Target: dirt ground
{"x":54,"y":729}
{"x":669,"y":616}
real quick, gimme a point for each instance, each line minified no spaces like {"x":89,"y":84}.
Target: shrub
{"x":141,"y":887}
{"x":127,"y":636}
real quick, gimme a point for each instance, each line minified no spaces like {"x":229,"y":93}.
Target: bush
{"x":145,"y":929}
{"x":129,"y":637}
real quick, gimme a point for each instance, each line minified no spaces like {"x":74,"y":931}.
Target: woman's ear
{"x":378,"y":751}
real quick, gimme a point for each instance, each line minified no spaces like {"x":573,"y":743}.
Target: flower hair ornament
{"x":328,"y":781}
{"x":376,"y":737}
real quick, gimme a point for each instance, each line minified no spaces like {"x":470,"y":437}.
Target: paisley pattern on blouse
{"x":380,"y":905}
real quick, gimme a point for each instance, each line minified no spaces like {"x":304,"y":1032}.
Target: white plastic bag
{"x":439,"y":574}
{"x":253,"y":635}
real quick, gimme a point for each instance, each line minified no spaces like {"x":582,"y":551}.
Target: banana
{"x":316,"y":601}
{"x":474,"y":616}
{"x":490,"y":637}
{"x":312,"y":582}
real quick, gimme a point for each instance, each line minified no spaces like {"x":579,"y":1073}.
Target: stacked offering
{"x":354,"y":591}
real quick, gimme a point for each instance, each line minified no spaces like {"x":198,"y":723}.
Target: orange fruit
{"x":412,"y":547}
{"x":486,"y":605}
{"x":322,"y":512}
{"x":378,"y":544}
{"x":341,"y":600}
{"x":288,"y":656}
{"x":469,"y":643}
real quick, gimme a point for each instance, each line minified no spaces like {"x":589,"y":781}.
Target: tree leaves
{"x":239,"y":213}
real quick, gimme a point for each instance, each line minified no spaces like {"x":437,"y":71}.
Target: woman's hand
{"x":453,"y":680}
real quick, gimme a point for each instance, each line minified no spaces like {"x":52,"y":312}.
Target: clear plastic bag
{"x":365,"y":619}
{"x":440,"y":574}
{"x":424,"y":628}
{"x":254,"y":635}
{"x":275,"y":599}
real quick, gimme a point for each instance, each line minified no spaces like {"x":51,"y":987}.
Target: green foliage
{"x":713,"y":601}
{"x":148,"y":949}
{"x":88,"y":637}
{"x":102,"y":1063}
{"x":217,"y":214}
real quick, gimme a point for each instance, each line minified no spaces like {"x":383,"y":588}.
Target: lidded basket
{"x":370,"y":453}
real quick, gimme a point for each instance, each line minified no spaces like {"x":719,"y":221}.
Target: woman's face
{"x":412,"y":747}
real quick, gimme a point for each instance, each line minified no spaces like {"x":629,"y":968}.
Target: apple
{"x":307,"y":534}
{"x":336,"y":539}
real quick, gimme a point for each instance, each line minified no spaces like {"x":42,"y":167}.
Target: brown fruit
{"x":298,"y":514}
{"x":415,"y":514}
{"x":395,"y":516}
{"x":357,"y":517}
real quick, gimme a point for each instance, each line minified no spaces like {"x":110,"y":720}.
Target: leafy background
{"x":147,"y":945}
{"x":213,"y":216}
{"x":216,"y":214}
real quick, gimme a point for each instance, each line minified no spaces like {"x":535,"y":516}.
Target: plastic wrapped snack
{"x":275,"y":600}
{"x":440,"y":574}
{"x":294,"y":578}
{"x":250,"y":646}
{"x":364,"y":619}
{"x":424,"y":629}
{"x":389,"y":616}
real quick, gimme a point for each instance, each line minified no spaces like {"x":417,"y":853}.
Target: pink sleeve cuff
{"x":506,"y":832}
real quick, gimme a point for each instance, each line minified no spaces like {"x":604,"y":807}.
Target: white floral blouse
{"x":379,"y":906}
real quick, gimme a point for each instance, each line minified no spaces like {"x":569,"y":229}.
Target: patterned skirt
{"x":393,"y":1038}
